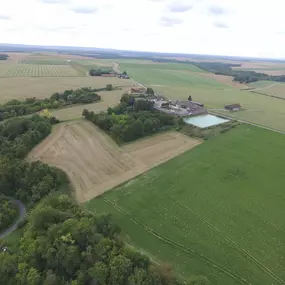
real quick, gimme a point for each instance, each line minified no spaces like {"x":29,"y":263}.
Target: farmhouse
{"x":233,"y":107}
{"x":180,"y":108}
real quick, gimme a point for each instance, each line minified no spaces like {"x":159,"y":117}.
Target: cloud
{"x":170,"y":21}
{"x":216,"y":10}
{"x":179,"y":7}
{"x":4,"y":17}
{"x":54,"y":1}
{"x":221,"y":25}
{"x":84,"y":10}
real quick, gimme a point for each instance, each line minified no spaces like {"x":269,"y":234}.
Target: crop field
{"x":215,"y":211}
{"x":213,"y":92}
{"x":95,"y":163}
{"x":45,"y":61}
{"x":34,"y":70}
{"x":270,"y":88}
{"x":42,"y":87}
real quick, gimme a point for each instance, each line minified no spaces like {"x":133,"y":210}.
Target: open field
{"x":42,"y":87}
{"x":34,"y":70}
{"x":95,"y":163}
{"x":213,"y":92}
{"x":214,"y":211}
{"x":109,"y":99}
{"x":271,"y":68}
{"x":270,"y":88}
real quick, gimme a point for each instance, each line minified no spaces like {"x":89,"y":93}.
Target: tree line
{"x":133,"y":118}
{"x":3,"y":56}
{"x":8,"y":212}
{"x":65,"y":245}
{"x":15,"y":108}
{"x":241,"y":76}
{"x":100,"y":72}
{"x":28,"y":182}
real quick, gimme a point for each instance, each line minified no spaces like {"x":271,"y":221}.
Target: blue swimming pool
{"x":205,"y":121}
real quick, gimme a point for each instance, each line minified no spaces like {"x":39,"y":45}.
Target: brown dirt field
{"x":42,"y":87}
{"x":227,"y":80}
{"x":96,"y":164}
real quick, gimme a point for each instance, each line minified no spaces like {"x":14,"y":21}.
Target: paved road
{"x":22,"y":213}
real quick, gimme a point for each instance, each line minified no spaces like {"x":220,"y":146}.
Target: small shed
{"x":233,"y":107}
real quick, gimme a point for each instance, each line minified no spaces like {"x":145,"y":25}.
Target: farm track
{"x":179,"y":246}
{"x":95,"y":163}
{"x":233,"y":243}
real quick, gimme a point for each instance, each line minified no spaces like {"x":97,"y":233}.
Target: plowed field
{"x":95,"y":163}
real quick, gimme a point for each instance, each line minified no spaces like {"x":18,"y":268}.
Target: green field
{"x":31,"y":70}
{"x":270,"y":88}
{"x":179,"y":84}
{"x":214,"y":211}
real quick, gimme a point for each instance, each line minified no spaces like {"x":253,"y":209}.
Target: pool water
{"x":205,"y":121}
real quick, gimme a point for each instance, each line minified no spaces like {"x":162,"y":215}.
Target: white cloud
{"x":84,"y":10}
{"x":230,"y":27}
{"x":180,"y":6}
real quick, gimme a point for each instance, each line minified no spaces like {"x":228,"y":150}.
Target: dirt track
{"x":95,"y":163}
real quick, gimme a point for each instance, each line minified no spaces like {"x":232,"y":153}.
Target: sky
{"x":220,"y":27}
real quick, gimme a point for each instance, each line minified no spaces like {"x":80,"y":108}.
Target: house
{"x":233,"y":107}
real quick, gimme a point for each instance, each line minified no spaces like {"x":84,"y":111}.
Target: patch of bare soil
{"x":95,"y":163}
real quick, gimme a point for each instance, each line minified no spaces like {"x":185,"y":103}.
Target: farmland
{"x":95,"y":163}
{"x":32,"y":70}
{"x":213,"y":211}
{"x":212,"y":91}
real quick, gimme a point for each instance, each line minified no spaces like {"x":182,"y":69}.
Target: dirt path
{"x":22,"y":213}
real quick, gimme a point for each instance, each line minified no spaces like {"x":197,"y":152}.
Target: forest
{"x":28,"y":182}
{"x":241,"y":76}
{"x":15,"y":108}
{"x":65,"y":245}
{"x":8,"y":212}
{"x":133,"y":118}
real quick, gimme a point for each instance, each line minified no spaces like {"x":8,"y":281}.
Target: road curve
{"x":22,"y":214}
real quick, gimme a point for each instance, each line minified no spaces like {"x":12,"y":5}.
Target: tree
{"x":109,"y":87}
{"x":149,"y":91}
{"x":99,"y":272}
{"x":120,"y":268}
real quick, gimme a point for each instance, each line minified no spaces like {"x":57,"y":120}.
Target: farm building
{"x":136,"y":90}
{"x":180,"y":108}
{"x":233,"y":107}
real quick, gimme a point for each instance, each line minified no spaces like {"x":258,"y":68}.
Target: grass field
{"x":95,"y":163}
{"x":179,"y":84}
{"x":214,"y":211}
